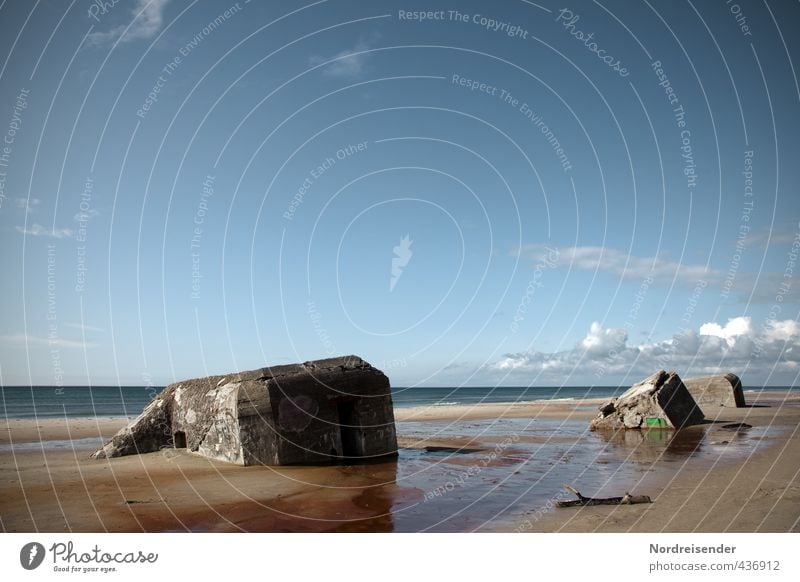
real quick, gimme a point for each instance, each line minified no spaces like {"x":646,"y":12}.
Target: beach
{"x":482,"y":467}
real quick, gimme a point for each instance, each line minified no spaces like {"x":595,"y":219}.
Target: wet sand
{"x":758,"y":490}
{"x":489,"y":467}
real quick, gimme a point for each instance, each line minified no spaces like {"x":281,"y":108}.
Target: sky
{"x":462,"y":193}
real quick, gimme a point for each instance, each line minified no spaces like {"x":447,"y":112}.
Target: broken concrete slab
{"x":659,"y":401}
{"x":715,"y":391}
{"x":324,"y":411}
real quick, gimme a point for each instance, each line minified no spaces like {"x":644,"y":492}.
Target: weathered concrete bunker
{"x":659,"y":401}
{"x":715,"y":391}
{"x":324,"y":411}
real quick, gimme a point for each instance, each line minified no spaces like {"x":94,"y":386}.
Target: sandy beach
{"x":487,"y":467}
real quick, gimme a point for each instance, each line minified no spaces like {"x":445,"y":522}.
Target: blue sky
{"x":512,"y":193}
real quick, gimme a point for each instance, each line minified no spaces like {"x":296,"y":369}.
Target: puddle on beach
{"x":468,"y":475}
{"x":448,"y":476}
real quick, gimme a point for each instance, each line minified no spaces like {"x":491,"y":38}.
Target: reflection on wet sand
{"x":465,"y":474}
{"x":348,"y":498}
{"x":467,"y":477}
{"x":705,"y":441}
{"x":650,"y":446}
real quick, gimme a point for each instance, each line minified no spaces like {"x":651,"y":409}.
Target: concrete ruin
{"x":659,"y":401}
{"x":325,"y":411}
{"x":715,"y":391}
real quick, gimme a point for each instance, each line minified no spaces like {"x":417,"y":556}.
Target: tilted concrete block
{"x":325,"y":411}
{"x":714,"y":391}
{"x":659,"y":401}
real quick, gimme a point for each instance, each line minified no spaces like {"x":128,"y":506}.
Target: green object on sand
{"x":655,"y":422}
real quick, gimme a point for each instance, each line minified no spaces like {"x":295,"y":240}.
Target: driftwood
{"x":581,"y":501}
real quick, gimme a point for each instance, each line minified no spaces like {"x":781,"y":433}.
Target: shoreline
{"x":45,"y":429}
{"x":511,"y":409}
{"x":479,"y":467}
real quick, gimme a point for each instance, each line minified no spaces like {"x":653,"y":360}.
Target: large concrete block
{"x":659,"y":401}
{"x":325,"y":411}
{"x":715,"y":391}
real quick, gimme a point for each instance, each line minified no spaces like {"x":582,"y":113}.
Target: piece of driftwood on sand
{"x":581,"y":501}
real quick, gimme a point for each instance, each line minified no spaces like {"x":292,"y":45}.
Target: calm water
{"x":115,"y":401}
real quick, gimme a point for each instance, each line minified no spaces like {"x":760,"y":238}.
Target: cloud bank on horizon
{"x":739,"y":345}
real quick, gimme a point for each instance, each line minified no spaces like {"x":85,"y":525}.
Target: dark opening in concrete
{"x":348,"y":429}
{"x":179,"y":438}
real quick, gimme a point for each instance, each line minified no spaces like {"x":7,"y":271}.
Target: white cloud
{"x":27,"y":204}
{"x":778,"y":236}
{"x":22,"y":340}
{"x":39,"y":230}
{"x":735,"y":328}
{"x":619,"y":263}
{"x":88,"y":215}
{"x":348,"y":63}
{"x":782,"y":330}
{"x":748,"y":287}
{"x":83,"y":327}
{"x":148,"y":17}
{"x":604,"y":353}
{"x":603,"y":341}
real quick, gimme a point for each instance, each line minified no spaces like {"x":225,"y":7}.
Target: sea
{"x":129,"y":401}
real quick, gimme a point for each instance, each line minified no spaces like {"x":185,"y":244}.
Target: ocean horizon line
{"x":441,"y":387}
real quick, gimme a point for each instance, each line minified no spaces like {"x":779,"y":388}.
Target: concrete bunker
{"x":658,"y":401}
{"x":715,"y":391}
{"x":324,"y":411}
